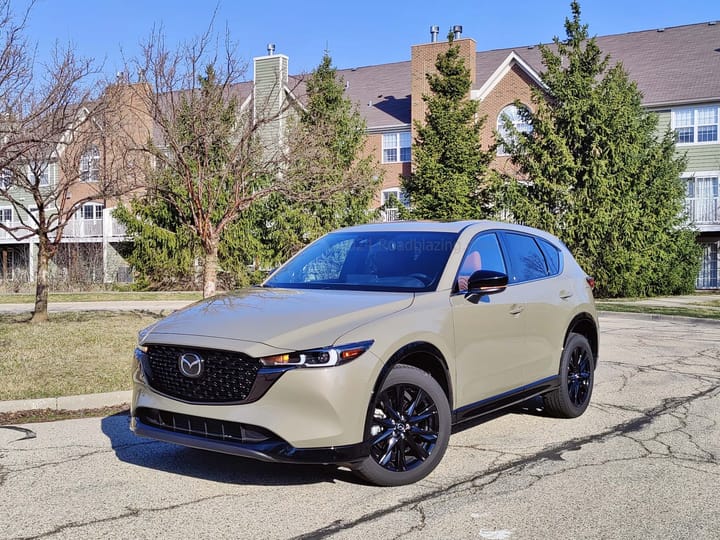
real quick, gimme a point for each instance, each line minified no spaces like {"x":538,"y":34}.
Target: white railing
{"x":390,"y":214}
{"x":84,"y":228}
{"x":79,"y":229}
{"x":703,"y":210}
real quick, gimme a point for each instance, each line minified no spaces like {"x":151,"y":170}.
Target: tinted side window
{"x":552,"y":256}
{"x":526,"y":259}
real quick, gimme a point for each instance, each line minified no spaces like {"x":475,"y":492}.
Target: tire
{"x":409,"y":430}
{"x":577,"y":375}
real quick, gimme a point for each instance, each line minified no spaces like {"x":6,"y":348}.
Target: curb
{"x":657,"y":317}
{"x":68,"y":403}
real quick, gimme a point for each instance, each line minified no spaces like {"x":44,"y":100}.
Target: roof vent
{"x":457,"y":30}
{"x":434,"y":31}
{"x":271,"y":49}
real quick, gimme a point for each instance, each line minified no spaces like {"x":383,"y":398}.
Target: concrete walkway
{"x":155,"y":306}
{"x":92,"y":401}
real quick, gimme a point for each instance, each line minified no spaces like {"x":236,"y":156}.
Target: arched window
{"x":90,"y":165}
{"x":511,"y":113}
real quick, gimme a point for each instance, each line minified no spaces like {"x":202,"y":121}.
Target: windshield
{"x":370,"y":261}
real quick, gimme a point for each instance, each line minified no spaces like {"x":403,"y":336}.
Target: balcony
{"x":704,"y":212}
{"x":81,"y":230}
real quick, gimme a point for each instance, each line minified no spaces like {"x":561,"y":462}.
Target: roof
{"x":671,"y":66}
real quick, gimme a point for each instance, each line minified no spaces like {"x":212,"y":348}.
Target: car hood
{"x":288,"y":319}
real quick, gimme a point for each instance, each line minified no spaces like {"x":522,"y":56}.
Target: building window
{"x":6,"y":177}
{"x":512,"y":114}
{"x":396,"y":147}
{"x":90,"y":165}
{"x":91,"y":211}
{"x":6,"y":215}
{"x":44,"y":175}
{"x":696,"y":125}
{"x":702,"y":199}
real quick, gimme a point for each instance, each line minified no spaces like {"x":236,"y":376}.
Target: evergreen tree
{"x":601,"y":175}
{"x":449,"y":164}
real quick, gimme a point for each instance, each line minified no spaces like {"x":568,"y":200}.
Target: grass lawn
{"x":74,"y":353}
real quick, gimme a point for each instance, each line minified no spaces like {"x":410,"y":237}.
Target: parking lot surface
{"x":643,"y":462}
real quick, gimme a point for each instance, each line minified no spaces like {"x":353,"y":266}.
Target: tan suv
{"x":366,"y":347}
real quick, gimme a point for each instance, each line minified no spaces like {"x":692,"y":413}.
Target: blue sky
{"x":356,"y":33}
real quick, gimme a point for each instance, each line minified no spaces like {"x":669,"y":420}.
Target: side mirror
{"x":487,"y":282}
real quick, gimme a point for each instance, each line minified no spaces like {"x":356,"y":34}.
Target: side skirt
{"x":506,"y":399}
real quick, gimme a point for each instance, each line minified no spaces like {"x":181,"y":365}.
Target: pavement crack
{"x":130,"y":512}
{"x":554,"y":453}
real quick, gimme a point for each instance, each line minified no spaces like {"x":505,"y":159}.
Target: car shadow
{"x":224,"y":468}
{"x":213,"y":466}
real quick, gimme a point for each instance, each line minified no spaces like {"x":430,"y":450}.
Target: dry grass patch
{"x":74,"y":353}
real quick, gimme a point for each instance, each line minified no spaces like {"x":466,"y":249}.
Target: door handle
{"x":516,"y":309}
{"x":565,"y":294}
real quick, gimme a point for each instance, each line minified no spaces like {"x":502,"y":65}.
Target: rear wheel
{"x":409,"y":431}
{"x":577,"y":370}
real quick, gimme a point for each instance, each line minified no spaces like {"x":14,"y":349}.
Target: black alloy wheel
{"x":409,"y":430}
{"x":577,"y":375}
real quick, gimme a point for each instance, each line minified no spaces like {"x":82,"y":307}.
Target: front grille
{"x":207,"y":428}
{"x":227,"y":376}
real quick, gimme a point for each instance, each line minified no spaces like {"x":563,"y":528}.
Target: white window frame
{"x":397,"y":141}
{"x":6,"y":211}
{"x":48,"y":176}
{"x":90,"y":165}
{"x":96,"y":209}
{"x":6,"y":179}
{"x":512,"y":112}
{"x":696,"y":112}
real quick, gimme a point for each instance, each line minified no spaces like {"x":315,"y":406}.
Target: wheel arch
{"x":585,"y":325}
{"x":419,"y":354}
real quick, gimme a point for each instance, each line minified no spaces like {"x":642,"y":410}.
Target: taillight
{"x":590,"y":281}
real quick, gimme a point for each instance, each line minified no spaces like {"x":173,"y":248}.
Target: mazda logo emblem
{"x":191,"y":365}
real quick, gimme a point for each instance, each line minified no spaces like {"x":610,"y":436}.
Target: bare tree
{"x":219,"y":146}
{"x":52,"y":135}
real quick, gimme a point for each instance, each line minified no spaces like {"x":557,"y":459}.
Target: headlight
{"x":330,"y":356}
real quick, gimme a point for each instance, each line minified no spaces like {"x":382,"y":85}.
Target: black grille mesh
{"x":207,"y":428}
{"x":228,"y":376}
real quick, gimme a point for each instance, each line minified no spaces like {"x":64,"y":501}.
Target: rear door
{"x":535,"y":269}
{"x":490,"y":343}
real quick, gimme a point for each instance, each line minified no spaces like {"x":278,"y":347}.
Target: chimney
{"x":434,"y":31}
{"x":457,"y":30}
{"x":271,"y":48}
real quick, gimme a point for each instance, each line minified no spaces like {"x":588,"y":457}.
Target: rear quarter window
{"x":552,"y":256}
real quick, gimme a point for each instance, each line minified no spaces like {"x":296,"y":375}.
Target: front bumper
{"x":260,"y":444}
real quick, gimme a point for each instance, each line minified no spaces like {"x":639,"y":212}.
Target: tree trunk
{"x":210,"y":265}
{"x":40,"y":314}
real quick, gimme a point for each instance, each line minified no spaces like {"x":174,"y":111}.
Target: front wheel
{"x":409,"y":431}
{"x":577,"y":374}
